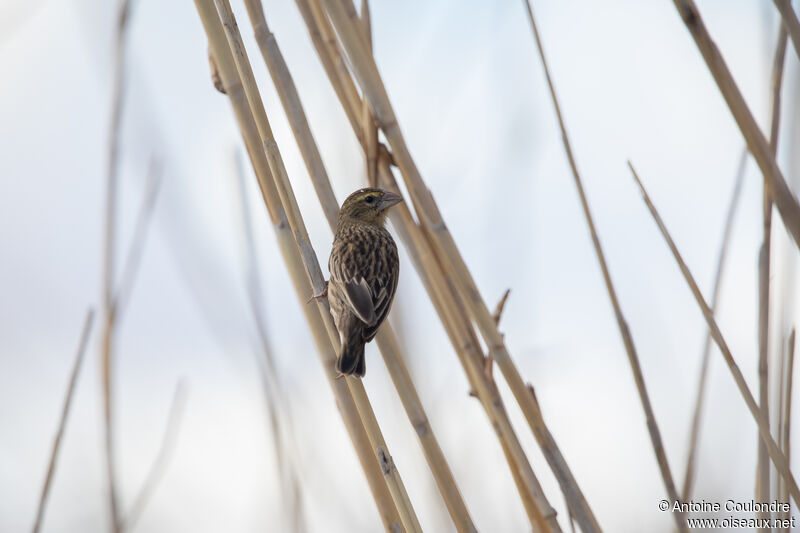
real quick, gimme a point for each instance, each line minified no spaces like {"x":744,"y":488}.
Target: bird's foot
{"x":323,"y":294}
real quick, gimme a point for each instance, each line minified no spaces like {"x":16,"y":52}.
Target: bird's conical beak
{"x":389,"y":199}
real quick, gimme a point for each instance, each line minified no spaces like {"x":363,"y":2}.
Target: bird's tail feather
{"x":351,"y":361}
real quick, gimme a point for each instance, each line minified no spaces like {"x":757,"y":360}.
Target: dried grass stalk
{"x":784,"y":200}
{"x":790,"y":22}
{"x":786,"y":422}
{"x":62,"y":422}
{"x":764,"y":262}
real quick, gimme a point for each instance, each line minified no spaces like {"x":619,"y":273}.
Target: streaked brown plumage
{"x":364,"y":269}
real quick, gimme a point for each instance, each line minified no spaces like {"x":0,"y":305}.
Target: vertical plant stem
{"x":368,"y":122}
{"x":118,"y":86}
{"x":764,"y":262}
{"x":694,"y":433}
{"x":62,"y":422}
{"x":787,"y":420}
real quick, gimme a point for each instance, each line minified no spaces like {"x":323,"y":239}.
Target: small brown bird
{"x":363,"y":273}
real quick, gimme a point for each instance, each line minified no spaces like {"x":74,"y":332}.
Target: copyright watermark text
{"x":753,"y":514}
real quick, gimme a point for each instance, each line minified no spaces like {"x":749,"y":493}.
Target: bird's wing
{"x":359,"y":296}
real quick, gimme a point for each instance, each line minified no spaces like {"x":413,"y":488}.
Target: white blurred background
{"x":469,"y":92}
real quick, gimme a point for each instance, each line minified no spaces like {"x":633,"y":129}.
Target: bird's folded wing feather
{"x":359,"y":297}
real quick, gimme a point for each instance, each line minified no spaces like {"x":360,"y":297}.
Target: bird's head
{"x":368,"y":205}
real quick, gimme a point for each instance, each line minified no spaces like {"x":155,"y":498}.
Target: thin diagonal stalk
{"x":106,"y":355}
{"x":778,"y":458}
{"x":622,"y":324}
{"x":784,"y":200}
{"x":467,"y":347}
{"x":159,"y":466}
{"x":790,"y":22}
{"x":131,"y":265}
{"x":62,"y":422}
{"x":764,"y":262}
{"x":694,"y":433}
{"x":247,"y":126}
{"x":386,"y":339}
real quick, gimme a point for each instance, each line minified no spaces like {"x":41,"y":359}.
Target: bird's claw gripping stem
{"x":323,"y":294}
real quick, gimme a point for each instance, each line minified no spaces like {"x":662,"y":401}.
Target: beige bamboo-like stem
{"x":781,"y":195}
{"x":366,"y":454}
{"x":778,"y":458}
{"x":445,"y":248}
{"x":335,"y":58}
{"x":790,"y":22}
{"x":705,"y":358}
{"x":320,"y":43}
{"x":764,"y":262}
{"x":367,"y":120}
{"x":313,"y":270}
{"x":622,"y":324}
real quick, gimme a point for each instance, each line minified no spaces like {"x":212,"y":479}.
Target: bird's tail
{"x":351,"y":361}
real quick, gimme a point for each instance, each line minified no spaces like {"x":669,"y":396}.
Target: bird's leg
{"x":323,"y":294}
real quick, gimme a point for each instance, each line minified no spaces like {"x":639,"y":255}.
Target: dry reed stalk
{"x":778,"y":458}
{"x":368,"y":121}
{"x":311,"y":266}
{"x":386,"y":340}
{"x":159,"y":466}
{"x":764,"y":262}
{"x":445,"y":248}
{"x":106,"y":354}
{"x":62,"y":422}
{"x":781,"y":195}
{"x":622,"y":324}
{"x":786,"y":421}
{"x":790,"y":22}
{"x":313,"y":9}
{"x":539,"y":511}
{"x":694,"y":433}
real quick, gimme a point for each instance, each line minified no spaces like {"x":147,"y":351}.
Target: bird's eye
{"x":369,"y":199}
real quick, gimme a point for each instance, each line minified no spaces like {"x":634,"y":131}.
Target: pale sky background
{"x":470,"y":95}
